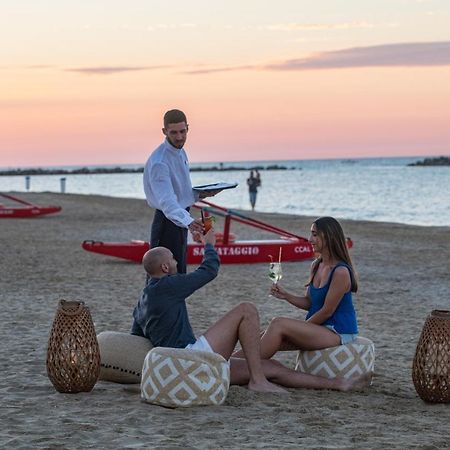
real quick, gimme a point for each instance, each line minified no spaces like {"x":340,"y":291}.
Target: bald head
{"x":159,"y":261}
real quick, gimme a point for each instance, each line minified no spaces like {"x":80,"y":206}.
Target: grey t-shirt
{"x":161,"y":314}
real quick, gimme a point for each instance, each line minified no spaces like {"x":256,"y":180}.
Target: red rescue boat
{"x":293,"y":247}
{"x":239,"y":252}
{"x":25,"y":211}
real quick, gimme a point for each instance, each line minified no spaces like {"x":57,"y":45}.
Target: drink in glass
{"x":275,"y":272}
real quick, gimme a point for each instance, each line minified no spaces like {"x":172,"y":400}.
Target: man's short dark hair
{"x":174,"y":116}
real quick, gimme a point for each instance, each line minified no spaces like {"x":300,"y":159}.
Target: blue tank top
{"x":344,"y":318}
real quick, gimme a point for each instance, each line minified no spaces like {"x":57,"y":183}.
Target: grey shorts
{"x":345,"y":338}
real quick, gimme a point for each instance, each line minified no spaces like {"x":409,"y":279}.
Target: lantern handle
{"x":441,"y":313}
{"x":71,"y":308}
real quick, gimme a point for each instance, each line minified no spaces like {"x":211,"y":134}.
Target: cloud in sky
{"x":320,"y":26}
{"x":221,"y":69}
{"x":388,"y":55}
{"x":170,"y":26}
{"x":40,"y":66}
{"x":110,"y":70}
{"x":29,"y":67}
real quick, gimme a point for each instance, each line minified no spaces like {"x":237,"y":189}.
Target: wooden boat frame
{"x":293,"y":247}
{"x":26,"y":211}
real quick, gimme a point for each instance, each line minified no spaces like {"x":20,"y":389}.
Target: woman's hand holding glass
{"x":277,"y":291}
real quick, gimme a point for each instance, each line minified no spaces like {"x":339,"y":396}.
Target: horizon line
{"x":192,"y":164}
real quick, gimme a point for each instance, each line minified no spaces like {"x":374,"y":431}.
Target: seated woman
{"x":331,"y":318}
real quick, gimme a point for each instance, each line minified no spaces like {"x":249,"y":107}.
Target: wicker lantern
{"x":73,"y":356}
{"x":431,"y":366}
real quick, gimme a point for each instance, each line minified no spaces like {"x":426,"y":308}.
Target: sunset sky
{"x":87,"y":82}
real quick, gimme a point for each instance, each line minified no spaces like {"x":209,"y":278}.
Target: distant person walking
{"x":168,"y":189}
{"x":253,"y":182}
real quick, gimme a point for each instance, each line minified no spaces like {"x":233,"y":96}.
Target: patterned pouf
{"x":355,"y":358}
{"x":122,"y":356}
{"x":174,"y":377}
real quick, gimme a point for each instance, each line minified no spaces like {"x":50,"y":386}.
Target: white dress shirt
{"x":167,"y":183}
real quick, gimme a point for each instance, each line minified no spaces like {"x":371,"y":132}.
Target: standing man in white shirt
{"x":168,"y":189}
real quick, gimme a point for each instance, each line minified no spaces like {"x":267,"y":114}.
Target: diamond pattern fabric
{"x":174,"y":378}
{"x":352,"y":359}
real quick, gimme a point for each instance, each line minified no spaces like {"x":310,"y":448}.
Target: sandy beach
{"x":403,"y":272}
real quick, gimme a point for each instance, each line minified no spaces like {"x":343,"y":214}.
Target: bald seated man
{"x":161,"y":316}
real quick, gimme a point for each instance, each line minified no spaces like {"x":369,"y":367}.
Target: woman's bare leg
{"x":304,"y":335}
{"x":286,"y":334}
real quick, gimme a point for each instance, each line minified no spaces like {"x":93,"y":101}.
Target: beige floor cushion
{"x":174,"y":377}
{"x":122,"y":356}
{"x":355,"y":358}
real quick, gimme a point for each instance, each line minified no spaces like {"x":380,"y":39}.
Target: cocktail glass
{"x":275,"y":272}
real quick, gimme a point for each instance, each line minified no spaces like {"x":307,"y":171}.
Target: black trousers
{"x":164,"y":233}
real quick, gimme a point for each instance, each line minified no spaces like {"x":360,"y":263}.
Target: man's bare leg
{"x":280,"y":374}
{"x":242,"y":324}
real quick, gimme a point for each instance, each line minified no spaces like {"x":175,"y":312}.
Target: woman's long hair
{"x":331,"y":232}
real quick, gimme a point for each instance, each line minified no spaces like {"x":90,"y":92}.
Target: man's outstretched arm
{"x":187,"y":284}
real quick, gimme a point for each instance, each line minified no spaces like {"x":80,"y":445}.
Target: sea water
{"x":374,"y":189}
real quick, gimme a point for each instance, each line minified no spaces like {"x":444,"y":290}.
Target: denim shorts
{"x":345,"y":338}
